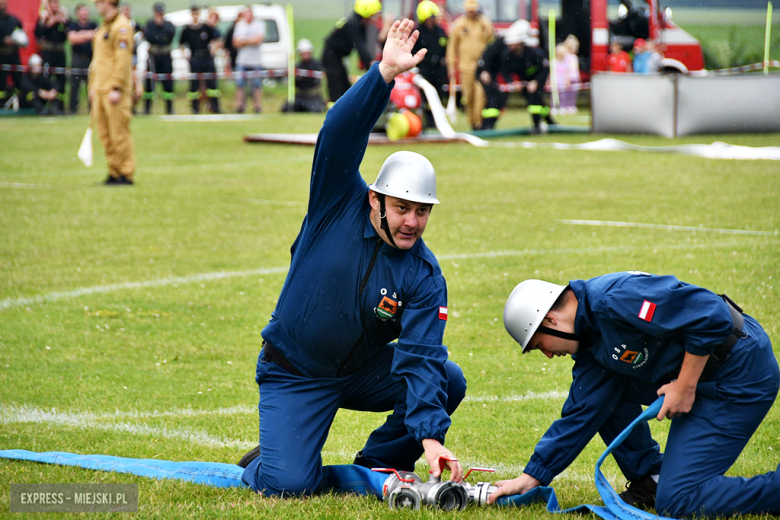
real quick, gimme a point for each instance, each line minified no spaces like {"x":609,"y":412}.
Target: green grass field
{"x":130,"y":318}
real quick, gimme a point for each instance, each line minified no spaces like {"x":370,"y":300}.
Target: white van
{"x":276,"y":47}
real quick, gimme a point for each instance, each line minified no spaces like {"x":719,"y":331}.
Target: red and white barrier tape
{"x":277,"y":73}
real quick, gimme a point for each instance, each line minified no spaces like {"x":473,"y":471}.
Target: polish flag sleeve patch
{"x":443,"y":313}
{"x":647,"y":311}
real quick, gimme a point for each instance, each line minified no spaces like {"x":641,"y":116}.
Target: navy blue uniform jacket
{"x":632,"y":325}
{"x":321,"y":324}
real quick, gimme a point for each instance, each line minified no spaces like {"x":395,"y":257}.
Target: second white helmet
{"x":408,"y":176}
{"x":518,"y":32}
{"x":527,"y":306}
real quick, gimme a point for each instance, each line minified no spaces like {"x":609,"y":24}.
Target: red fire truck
{"x":590,"y":23}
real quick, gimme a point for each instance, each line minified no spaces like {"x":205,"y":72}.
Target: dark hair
{"x":561,"y":300}
{"x":79,"y":6}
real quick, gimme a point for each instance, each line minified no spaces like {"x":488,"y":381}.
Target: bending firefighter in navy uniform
{"x":356,"y":283}
{"x":635,"y":336}
{"x":511,"y":58}
{"x":159,"y":33}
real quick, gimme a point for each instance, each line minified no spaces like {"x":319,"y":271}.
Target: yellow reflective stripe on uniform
{"x":168,"y":96}
{"x":148,"y":95}
{"x":213,"y":92}
{"x":539,"y":109}
{"x":2,"y":94}
{"x":193,"y":95}
{"x":490,"y":112}
{"x":30,"y":96}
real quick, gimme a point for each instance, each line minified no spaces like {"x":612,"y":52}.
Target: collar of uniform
{"x":368,"y":228}
{"x":582,"y":320}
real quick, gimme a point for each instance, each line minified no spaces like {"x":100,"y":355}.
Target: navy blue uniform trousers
{"x":703,"y":444}
{"x":296,"y":414}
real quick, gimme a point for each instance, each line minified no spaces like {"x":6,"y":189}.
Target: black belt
{"x":159,"y":49}
{"x":722,"y":351}
{"x":51,"y":47}
{"x":273,"y":355}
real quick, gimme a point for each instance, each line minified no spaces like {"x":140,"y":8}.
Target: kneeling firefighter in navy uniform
{"x":633,"y":337}
{"x":360,"y":277}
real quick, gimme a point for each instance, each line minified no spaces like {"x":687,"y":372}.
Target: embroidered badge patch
{"x":443,"y":313}
{"x":647,"y":310}
{"x":386,"y":309}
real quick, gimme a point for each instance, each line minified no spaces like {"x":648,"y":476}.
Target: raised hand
{"x":397,"y":55}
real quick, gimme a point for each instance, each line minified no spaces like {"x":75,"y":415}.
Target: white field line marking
{"x":15,"y":302}
{"x":610,"y":223}
{"x":552,"y":394}
{"x":264,"y":201}
{"x":21,"y":186}
{"x":91,"y":422}
{"x":74,"y":293}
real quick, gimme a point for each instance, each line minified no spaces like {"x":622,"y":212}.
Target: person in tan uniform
{"x":111,"y":91}
{"x":469,"y":36}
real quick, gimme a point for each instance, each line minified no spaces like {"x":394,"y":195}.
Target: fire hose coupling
{"x":406,"y":490}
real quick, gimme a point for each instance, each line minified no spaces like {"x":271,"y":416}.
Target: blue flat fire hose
{"x":340,"y":478}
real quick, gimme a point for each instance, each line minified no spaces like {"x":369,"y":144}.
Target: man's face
{"x":3,"y":6}
{"x":430,"y":22}
{"x":126,"y":11}
{"x":305,"y":55}
{"x":248,"y":15}
{"x":406,"y":219}
{"x":552,"y":346}
{"x":102,"y":7}
{"x":83,"y":14}
{"x":516,"y":48}
{"x":195,"y":16}
{"x":54,"y":5}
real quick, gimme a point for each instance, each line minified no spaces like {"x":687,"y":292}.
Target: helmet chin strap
{"x":383,"y":217}
{"x":558,"y":333}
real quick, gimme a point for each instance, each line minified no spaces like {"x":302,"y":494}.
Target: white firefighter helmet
{"x":518,"y":32}
{"x":35,"y":61}
{"x":305,"y":45}
{"x":408,"y":176}
{"x":527,"y":306}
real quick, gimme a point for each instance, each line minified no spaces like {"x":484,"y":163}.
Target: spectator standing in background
{"x":51,"y":33}
{"x":111,"y":91}
{"x":232,"y":52}
{"x":561,"y":78}
{"x":469,"y":36}
{"x":36,"y":90}
{"x":569,"y":101}
{"x":646,"y":59}
{"x":159,"y":33}
{"x":350,"y":33}
{"x":433,"y":66}
{"x":619,"y":60}
{"x":308,"y":90}
{"x":198,"y":37}
{"x":9,"y":49}
{"x":80,"y":34}
{"x":248,"y":39}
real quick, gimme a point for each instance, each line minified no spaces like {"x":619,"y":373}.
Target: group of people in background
{"x":465,"y":51}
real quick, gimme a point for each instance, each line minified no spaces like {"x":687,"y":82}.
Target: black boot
{"x":168,"y":107}
{"x":360,"y":460}
{"x":249,"y":457}
{"x":148,"y":107}
{"x":489,"y":123}
{"x":640,"y":492}
{"x":214,"y":102}
{"x":195,"y":106}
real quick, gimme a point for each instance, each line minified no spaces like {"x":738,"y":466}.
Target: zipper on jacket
{"x":362,"y":287}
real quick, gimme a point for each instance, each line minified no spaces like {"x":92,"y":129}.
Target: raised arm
{"x":343,"y":138}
